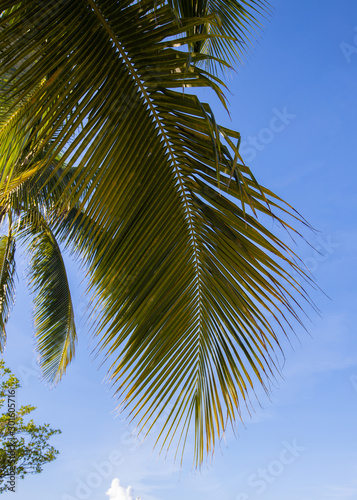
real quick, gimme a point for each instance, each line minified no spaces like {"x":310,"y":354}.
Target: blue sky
{"x":295,"y":105}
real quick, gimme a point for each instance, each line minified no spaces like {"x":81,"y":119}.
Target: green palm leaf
{"x":7,"y":284}
{"x":183,"y":276}
{"x":54,"y":316}
{"x":237,"y":19}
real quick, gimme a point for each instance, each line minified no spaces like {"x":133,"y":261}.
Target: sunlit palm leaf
{"x":184,"y":276}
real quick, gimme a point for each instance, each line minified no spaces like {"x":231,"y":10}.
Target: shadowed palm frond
{"x":7,"y":283}
{"x":187,"y":283}
{"x":53,"y":315}
{"x":238,"y":20}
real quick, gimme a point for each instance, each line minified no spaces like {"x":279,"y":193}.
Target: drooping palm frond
{"x":239,"y":19}
{"x":54,"y":317}
{"x":7,"y":283}
{"x":34,"y":207}
{"x":185,"y":278}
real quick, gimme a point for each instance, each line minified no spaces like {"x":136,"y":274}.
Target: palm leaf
{"x":7,"y":284}
{"x":184,"y":277}
{"x":240,"y":20}
{"x":53,"y":316}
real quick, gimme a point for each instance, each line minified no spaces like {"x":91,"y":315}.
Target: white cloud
{"x":117,"y":492}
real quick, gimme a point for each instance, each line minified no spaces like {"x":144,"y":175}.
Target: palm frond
{"x":183,"y":275}
{"x":7,"y":282}
{"x":53,"y":315}
{"x":240,"y":21}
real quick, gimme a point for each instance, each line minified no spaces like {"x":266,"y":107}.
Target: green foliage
{"x":31,"y":221}
{"x":104,"y":153}
{"x":7,"y":285}
{"x":238,"y":21}
{"x":30,"y":450}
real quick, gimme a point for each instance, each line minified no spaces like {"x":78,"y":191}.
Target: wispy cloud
{"x":342,"y":492}
{"x":331,"y":349}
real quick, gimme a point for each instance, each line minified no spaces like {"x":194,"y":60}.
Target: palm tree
{"x":103,"y":151}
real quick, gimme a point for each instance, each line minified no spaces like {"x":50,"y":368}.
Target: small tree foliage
{"x":24,"y":446}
